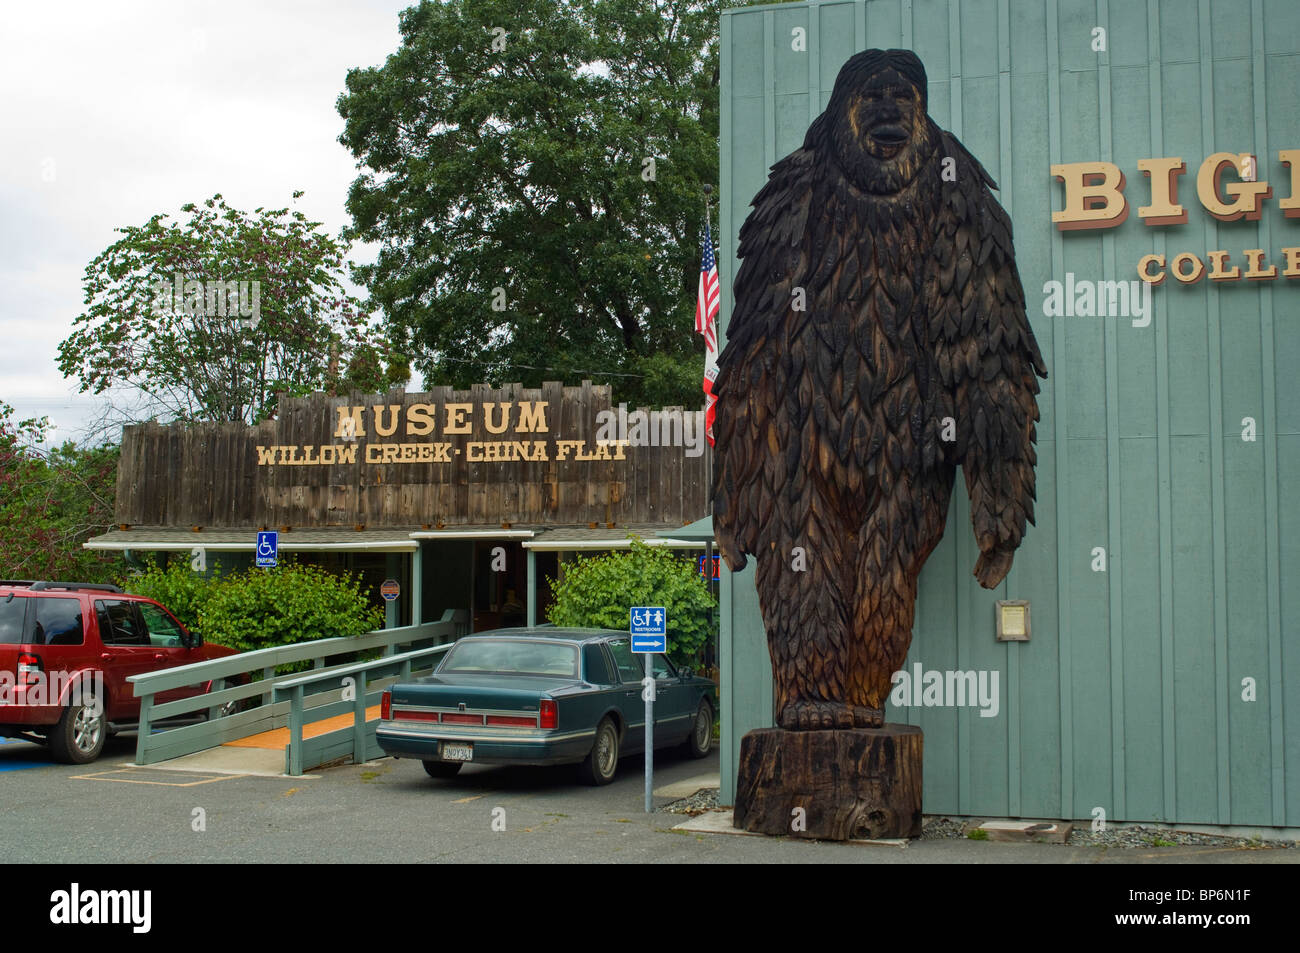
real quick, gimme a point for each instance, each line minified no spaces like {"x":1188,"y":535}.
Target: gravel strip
{"x":949,"y":828}
{"x":941,"y":828}
{"x":698,"y":803}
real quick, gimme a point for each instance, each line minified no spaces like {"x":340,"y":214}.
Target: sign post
{"x":648,"y":626}
{"x":268,"y":549}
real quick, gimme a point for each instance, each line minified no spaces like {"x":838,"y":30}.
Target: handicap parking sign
{"x":648,"y":626}
{"x":268,"y":549}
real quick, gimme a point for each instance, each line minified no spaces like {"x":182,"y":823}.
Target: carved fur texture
{"x":839,"y":426}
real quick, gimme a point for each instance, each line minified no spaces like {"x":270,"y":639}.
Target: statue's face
{"x":884,"y":138}
{"x":884,"y":114}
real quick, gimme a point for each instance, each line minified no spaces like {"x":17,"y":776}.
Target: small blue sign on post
{"x":268,"y":549}
{"x":649,"y":629}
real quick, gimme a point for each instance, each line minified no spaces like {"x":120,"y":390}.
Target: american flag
{"x":706,"y":313}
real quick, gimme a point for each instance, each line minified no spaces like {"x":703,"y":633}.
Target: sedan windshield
{"x":512,"y":657}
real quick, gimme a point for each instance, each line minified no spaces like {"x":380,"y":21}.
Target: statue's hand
{"x":992,"y":567}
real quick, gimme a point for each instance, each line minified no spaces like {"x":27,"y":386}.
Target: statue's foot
{"x":864,"y":717}
{"x":826,"y":716}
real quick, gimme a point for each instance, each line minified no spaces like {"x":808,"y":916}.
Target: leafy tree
{"x":505,"y":146}
{"x":52,"y":501}
{"x":213,"y":317}
{"x":599,"y":591}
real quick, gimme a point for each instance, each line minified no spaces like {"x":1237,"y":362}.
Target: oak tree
{"x":532,"y":173}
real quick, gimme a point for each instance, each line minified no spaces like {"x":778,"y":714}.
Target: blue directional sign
{"x":649,"y":629}
{"x":268,"y":549}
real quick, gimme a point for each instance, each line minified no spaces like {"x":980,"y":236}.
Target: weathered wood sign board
{"x":482,"y":456}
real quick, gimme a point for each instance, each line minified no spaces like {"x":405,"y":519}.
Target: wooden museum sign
{"x":554,"y":454}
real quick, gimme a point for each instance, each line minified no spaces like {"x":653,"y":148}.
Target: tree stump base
{"x":850,"y":783}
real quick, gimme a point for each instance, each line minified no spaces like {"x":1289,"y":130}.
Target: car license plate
{"x":452,"y":752}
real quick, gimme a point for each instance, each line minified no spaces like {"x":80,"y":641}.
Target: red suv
{"x":66,"y":649}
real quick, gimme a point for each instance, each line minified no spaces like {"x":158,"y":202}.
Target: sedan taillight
{"x":550,"y":714}
{"x":386,"y":706}
{"x":401,"y":714}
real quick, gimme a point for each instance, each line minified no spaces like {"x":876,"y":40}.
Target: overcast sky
{"x":111,"y":112}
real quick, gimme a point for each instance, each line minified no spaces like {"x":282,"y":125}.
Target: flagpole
{"x":710,"y":658}
{"x":706,"y":310}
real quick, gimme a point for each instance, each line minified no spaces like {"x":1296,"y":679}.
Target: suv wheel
{"x":79,"y":736}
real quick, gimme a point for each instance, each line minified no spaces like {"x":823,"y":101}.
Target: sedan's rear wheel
{"x":79,"y":736}
{"x":701,"y":739}
{"x":602,"y":764}
{"x":442,"y":769}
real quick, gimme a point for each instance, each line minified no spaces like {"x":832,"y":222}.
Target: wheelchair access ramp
{"x":318,"y":716}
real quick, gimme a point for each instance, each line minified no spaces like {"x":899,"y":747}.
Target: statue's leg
{"x":805,"y":590}
{"x":896,"y":540}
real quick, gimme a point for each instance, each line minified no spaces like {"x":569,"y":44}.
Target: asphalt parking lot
{"x":391,"y":811}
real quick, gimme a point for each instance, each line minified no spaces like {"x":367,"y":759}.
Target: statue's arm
{"x":988,"y":363}
{"x":753,"y":439}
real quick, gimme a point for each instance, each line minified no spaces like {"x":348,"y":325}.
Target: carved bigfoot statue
{"x":879,"y":340}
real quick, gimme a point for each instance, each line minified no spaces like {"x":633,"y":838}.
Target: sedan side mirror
{"x":195,"y":639}
{"x":686,"y":673}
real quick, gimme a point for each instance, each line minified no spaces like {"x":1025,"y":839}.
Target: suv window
{"x":163,"y":629}
{"x":58,"y":621}
{"x":12,"y":614}
{"x":119,"y":624}
{"x":629,"y":666}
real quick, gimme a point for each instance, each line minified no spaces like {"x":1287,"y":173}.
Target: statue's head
{"x":877,"y":121}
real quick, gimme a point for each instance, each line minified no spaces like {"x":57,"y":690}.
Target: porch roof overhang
{"x":700,"y":531}
{"x":326,"y":539}
{"x":572,"y":538}
{"x":477,"y":532}
{"x":395,"y":539}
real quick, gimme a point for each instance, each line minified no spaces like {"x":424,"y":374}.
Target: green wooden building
{"x":1161,"y":678}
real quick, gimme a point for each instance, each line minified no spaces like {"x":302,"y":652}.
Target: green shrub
{"x":178,"y":587}
{"x":259,"y":608}
{"x":599,"y":591}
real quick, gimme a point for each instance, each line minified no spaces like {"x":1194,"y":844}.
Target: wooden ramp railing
{"x":345,"y":689}
{"x":252,"y":675}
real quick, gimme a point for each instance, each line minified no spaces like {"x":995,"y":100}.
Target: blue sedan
{"x":544,"y":696}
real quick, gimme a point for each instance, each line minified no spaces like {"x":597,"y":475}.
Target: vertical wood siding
{"x":1128,"y":697}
